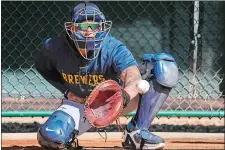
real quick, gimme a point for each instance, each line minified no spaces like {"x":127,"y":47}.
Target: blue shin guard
{"x":57,"y":132}
{"x":162,"y":73}
{"x":60,"y":130}
{"x":150,"y":103}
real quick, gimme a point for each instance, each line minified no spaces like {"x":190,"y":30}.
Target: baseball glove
{"x":105,"y":103}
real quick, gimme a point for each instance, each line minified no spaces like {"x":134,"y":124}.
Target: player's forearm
{"x":132,"y":105}
{"x":131,"y":76}
{"x":130,"y":87}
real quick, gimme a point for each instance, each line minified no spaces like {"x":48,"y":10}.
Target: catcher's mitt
{"x":105,"y":103}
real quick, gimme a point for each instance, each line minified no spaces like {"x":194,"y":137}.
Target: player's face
{"x":89,"y":28}
{"x":89,"y":34}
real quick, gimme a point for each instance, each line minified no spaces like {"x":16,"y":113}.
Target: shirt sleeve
{"x":122,"y":58}
{"x":45,"y":66}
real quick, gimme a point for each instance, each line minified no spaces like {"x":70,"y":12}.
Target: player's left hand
{"x":105,"y":103}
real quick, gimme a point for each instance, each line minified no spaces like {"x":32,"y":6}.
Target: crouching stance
{"x":86,"y":55}
{"x":162,"y":73}
{"x":76,"y":62}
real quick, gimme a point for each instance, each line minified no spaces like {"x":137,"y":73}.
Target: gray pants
{"x":83,"y":124}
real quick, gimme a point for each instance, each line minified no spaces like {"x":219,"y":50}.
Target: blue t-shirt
{"x":78,"y":74}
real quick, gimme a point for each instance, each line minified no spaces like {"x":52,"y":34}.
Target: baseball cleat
{"x":142,"y":139}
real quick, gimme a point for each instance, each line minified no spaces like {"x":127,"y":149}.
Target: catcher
{"x":98,"y":76}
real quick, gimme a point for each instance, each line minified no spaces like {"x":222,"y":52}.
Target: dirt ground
{"x":116,"y":144}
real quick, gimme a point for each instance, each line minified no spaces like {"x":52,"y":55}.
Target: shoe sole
{"x":129,"y":144}
{"x":160,"y":147}
{"x":154,"y":146}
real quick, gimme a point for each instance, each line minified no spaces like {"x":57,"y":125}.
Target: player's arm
{"x":130,"y":77}
{"x":45,"y":66}
{"x":126,"y":65}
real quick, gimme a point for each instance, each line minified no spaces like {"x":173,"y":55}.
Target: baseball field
{"x":192,"y":117}
{"x":182,"y":133}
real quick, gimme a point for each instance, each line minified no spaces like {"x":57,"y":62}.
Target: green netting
{"x":193,"y":32}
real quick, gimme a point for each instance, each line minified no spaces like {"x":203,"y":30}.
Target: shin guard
{"x":150,"y":103}
{"x":162,"y":73}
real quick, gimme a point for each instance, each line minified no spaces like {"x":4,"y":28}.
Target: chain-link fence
{"x":193,"y":32}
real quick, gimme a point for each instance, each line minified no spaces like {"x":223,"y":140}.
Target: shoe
{"x":142,"y":139}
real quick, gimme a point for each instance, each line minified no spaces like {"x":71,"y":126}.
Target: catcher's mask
{"x":87,"y":16}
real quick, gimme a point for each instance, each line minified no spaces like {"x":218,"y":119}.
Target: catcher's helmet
{"x":93,"y":18}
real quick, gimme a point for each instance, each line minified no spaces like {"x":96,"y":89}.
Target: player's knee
{"x":57,"y":132}
{"x":164,"y":68}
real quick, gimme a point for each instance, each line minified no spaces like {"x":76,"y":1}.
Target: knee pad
{"x":58,"y":132}
{"x":163,"y":67}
